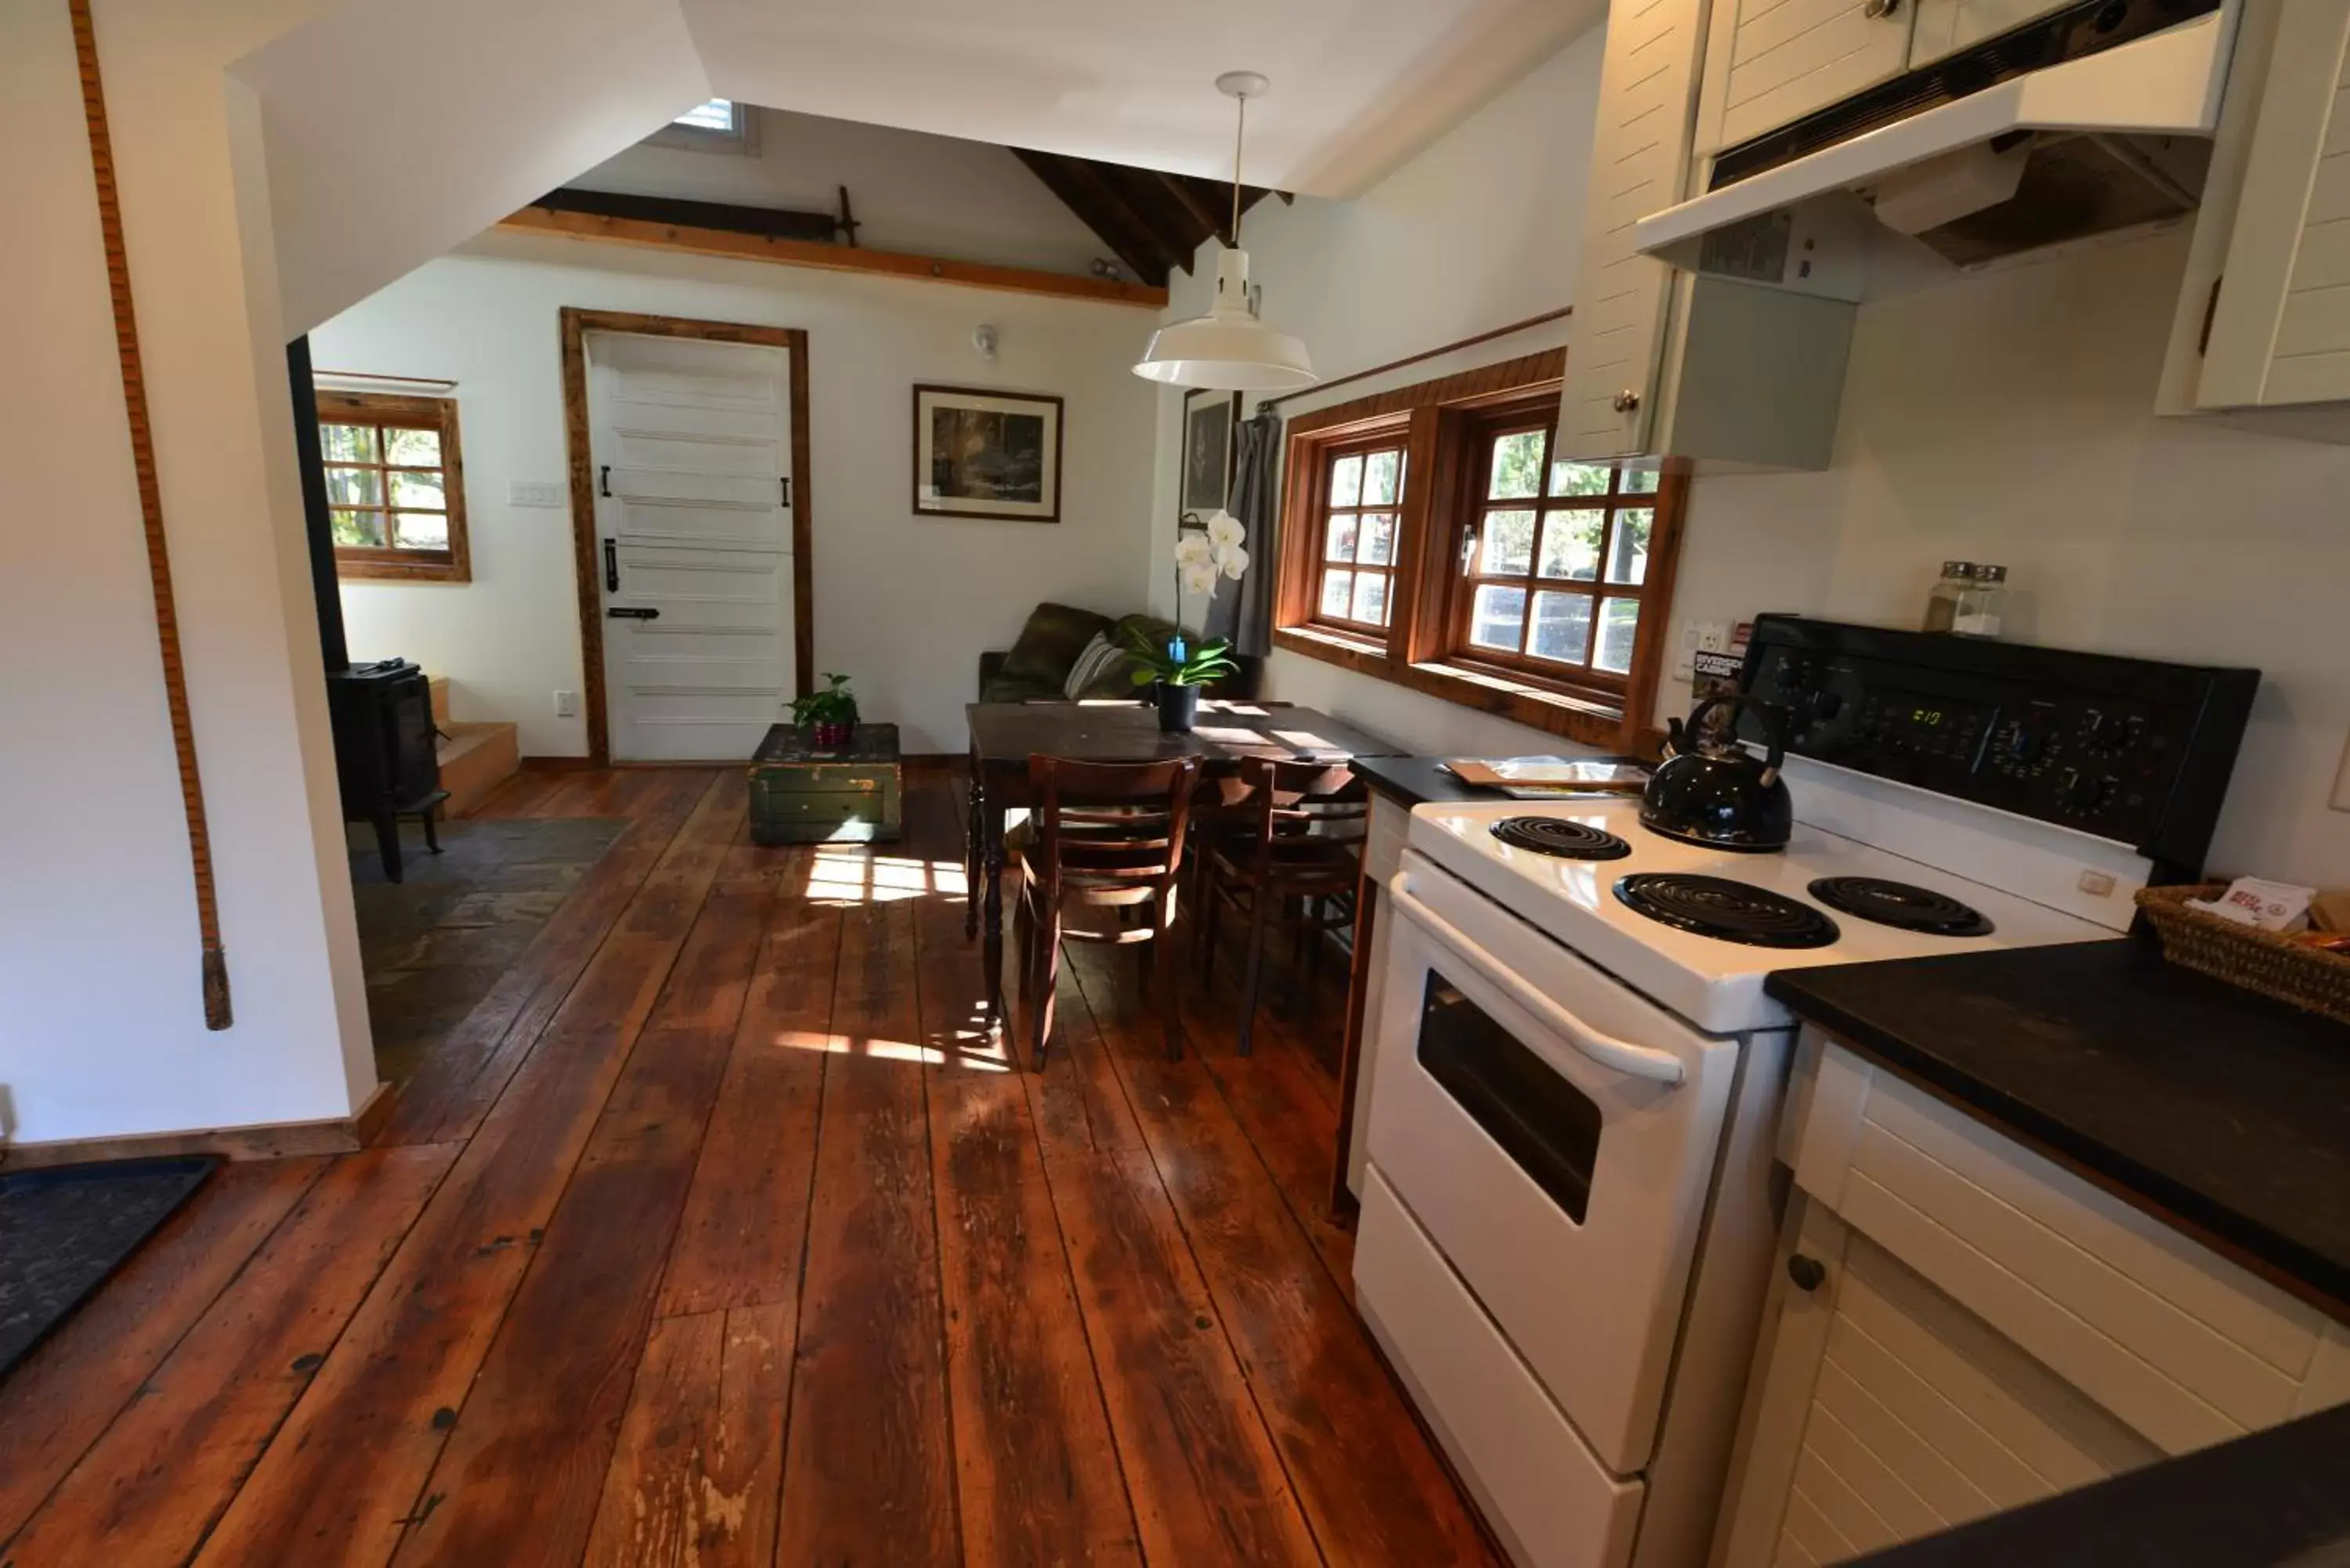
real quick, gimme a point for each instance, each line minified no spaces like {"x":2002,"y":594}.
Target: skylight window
{"x":718,"y":114}
{"x":715,"y":125}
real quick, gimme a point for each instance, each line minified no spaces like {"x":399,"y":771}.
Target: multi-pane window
{"x":1427,"y":538}
{"x":713,"y":125}
{"x":395,"y":489}
{"x":1362,"y":494}
{"x":1554,"y":559}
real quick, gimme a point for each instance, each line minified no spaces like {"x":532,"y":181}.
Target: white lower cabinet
{"x":1960,"y":1326}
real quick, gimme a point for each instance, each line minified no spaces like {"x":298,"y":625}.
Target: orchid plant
{"x":1202,"y":560}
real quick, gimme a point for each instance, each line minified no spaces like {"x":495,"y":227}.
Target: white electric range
{"x":1570,"y":1208}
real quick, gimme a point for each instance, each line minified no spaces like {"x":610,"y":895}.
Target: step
{"x":475,"y":760}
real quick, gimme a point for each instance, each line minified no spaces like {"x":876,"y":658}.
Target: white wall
{"x":1479,"y":231}
{"x":2009,"y":419}
{"x":903,"y":604}
{"x":101,"y":1030}
{"x":931,"y":195}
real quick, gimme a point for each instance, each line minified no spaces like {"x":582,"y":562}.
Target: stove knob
{"x":1828,"y":705}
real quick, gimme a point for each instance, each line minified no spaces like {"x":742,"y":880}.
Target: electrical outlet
{"x":566,"y":704}
{"x":2341,"y":801}
{"x":534,"y":493}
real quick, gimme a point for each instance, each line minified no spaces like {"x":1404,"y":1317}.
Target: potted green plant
{"x":1178,"y":669}
{"x":831,"y":713}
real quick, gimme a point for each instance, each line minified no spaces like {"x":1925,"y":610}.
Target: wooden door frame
{"x":578,"y":437}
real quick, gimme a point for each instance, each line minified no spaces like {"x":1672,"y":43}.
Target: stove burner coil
{"x":1732,"y":911}
{"x":1561,"y":837}
{"x":1901,"y":905}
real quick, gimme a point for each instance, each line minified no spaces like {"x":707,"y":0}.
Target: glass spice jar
{"x":1942,"y":603}
{"x":1982,"y":604}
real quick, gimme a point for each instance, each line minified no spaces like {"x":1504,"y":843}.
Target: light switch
{"x":566,"y":704}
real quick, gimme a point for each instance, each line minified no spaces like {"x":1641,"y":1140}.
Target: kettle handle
{"x":1775,"y":737}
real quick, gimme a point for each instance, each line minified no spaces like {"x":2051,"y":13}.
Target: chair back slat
{"x":1112,"y":827}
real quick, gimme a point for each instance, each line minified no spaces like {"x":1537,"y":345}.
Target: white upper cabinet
{"x":2279,"y":324}
{"x":1788,"y":57}
{"x":1945,"y":26}
{"x":1639,"y":161}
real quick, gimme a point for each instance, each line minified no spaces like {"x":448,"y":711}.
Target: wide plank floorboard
{"x":726,"y":1233}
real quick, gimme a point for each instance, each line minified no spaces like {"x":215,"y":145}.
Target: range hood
{"x":2114,"y":137}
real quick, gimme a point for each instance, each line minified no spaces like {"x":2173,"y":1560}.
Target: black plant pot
{"x":1178,"y":708}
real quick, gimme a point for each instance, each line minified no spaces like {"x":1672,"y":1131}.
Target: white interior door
{"x":692,"y":443}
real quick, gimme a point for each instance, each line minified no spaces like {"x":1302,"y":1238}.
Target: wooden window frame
{"x":1471,"y":508}
{"x":388,"y":410}
{"x":1443,"y":423}
{"x":1385,"y":436}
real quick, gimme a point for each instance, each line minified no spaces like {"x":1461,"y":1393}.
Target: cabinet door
{"x":2280,"y":331}
{"x":1945,"y":26}
{"x":1788,"y":57}
{"x":1640,"y":163}
{"x":1889,"y":1412}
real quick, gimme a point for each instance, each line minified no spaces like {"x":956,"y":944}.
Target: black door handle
{"x":1808,"y":1273}
{"x":612,"y":567}
{"x":787,"y":490}
{"x":632,"y":612}
{"x":604,"y":481}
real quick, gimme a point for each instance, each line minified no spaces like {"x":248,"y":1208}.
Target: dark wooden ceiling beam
{"x":1147,"y":256}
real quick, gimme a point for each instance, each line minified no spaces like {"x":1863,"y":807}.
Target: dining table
{"x":1226,"y":735}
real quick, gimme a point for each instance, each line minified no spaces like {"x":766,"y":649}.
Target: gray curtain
{"x":1246,"y":616}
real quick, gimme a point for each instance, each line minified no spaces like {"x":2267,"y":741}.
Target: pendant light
{"x":1229,"y":349}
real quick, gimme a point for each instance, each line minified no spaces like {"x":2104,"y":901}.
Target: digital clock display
{"x":1931,"y":718}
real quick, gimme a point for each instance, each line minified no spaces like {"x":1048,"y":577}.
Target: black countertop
{"x":1416,"y":781}
{"x":2207,"y":1103}
{"x":2275,"y":1498}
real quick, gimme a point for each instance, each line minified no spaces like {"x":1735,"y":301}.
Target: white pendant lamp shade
{"x":1228,"y":348}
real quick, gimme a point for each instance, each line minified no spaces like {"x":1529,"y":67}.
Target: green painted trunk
{"x":802,"y":795}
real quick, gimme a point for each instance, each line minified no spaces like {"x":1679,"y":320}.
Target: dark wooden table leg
{"x":1359,"y":981}
{"x":991,"y":849}
{"x":975,"y":825}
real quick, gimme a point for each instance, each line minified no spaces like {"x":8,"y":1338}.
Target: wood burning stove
{"x":387,"y":752}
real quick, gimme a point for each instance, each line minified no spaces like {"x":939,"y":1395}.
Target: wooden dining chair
{"x":1301,"y":846}
{"x":1099,"y":862}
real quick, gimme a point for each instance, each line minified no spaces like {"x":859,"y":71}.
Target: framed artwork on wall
{"x":1210,"y":419}
{"x":987,"y":454}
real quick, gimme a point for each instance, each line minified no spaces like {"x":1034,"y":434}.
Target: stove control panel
{"x":2130,"y":749}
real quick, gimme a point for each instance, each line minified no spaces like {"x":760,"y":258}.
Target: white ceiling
{"x":1359,"y":86}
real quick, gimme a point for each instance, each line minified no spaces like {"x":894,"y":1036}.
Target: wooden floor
{"x":720,"y":1233}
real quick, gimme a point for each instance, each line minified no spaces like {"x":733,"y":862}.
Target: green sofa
{"x":1037,"y":665}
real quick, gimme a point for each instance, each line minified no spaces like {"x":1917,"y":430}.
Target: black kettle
{"x":1719,"y":796}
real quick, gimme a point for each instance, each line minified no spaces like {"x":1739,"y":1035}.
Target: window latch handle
{"x":1468,"y":548}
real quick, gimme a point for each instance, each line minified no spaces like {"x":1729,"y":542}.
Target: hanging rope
{"x":217,"y":1014}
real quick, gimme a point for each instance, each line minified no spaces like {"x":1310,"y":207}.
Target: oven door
{"x":1553,"y":1132}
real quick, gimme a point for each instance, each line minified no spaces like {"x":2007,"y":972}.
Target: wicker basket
{"x":2246,"y":956}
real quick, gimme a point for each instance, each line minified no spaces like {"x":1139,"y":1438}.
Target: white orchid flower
{"x":1199,"y":577}
{"x":1233,"y":561}
{"x":1193,"y":550}
{"x":1225,"y":531}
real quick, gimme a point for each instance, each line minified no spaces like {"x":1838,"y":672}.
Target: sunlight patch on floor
{"x":841,"y":876}
{"x":981,"y":1055}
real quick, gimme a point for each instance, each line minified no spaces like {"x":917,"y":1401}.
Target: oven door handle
{"x":1621,"y":1056}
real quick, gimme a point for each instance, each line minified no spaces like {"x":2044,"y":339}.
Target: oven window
{"x":1548,"y":1127}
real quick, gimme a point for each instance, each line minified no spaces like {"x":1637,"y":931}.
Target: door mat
{"x":431,"y":945}
{"x":63,"y":1229}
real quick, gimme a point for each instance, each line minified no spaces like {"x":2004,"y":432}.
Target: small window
{"x":1553,"y":570}
{"x":1361,"y":519}
{"x":395,"y":486}
{"x":715,"y":125}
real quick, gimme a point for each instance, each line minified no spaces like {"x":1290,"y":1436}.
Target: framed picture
{"x":987,"y":454}
{"x":1210,"y":419}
